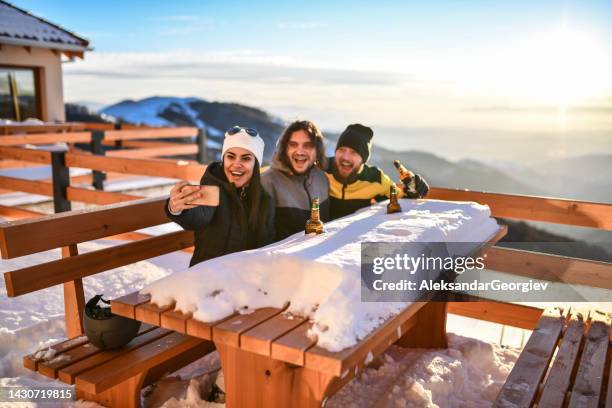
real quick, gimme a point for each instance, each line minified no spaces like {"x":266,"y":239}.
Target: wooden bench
{"x":269,"y":361}
{"x":579,"y":373}
{"x":113,"y":378}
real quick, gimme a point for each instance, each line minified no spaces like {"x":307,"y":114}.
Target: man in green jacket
{"x":353,"y":184}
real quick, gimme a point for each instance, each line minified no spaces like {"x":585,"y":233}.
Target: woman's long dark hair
{"x":258,"y":207}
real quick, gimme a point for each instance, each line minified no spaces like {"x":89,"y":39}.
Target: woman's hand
{"x":181,"y":195}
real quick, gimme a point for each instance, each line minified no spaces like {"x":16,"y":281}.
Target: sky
{"x":514,"y":66}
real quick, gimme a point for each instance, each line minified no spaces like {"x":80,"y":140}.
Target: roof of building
{"x":19,"y":27}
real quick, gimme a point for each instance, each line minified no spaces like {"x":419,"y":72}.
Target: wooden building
{"x":32,"y":50}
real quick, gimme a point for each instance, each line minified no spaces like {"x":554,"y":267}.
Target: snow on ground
{"x":320,"y":275}
{"x":469,"y":373}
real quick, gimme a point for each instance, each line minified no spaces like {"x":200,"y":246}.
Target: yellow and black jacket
{"x":371,"y":183}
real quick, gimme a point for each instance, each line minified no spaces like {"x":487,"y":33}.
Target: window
{"x":18,"y":94}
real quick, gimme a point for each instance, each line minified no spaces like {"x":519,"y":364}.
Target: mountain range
{"x":584,"y":178}
{"x":218,"y":116}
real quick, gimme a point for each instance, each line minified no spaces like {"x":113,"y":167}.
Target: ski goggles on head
{"x":237,"y":129}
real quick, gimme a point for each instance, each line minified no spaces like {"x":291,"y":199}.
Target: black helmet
{"x":106,"y":330}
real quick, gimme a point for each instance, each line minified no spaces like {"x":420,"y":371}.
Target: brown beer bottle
{"x":407,"y":178}
{"x":393,"y":205}
{"x":314,"y":223}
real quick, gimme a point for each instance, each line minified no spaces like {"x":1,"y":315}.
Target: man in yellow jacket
{"x":353,"y":184}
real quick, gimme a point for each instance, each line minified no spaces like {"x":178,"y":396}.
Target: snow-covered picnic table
{"x":320,"y":275}
{"x":288,"y":320}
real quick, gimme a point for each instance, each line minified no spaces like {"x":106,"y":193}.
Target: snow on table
{"x":320,"y":275}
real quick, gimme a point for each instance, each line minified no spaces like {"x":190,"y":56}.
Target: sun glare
{"x":565,"y":67}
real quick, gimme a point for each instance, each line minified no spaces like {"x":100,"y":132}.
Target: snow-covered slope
{"x":215,"y":116}
{"x":147,"y":111}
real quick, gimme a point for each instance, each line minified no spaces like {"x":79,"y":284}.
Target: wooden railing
{"x":133,"y":141}
{"x":142,"y":158}
{"x":534,"y":265}
{"x":520,"y":207}
{"x":64,"y":193}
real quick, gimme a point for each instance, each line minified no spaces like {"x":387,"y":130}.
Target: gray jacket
{"x":292,"y":194}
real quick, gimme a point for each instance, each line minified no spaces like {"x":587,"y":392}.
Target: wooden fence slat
{"x":155,"y":151}
{"x":26,"y":186}
{"x":559,"y":377}
{"x":148,"y":167}
{"x":25,"y":237}
{"x":61,"y":127}
{"x":26,"y":155}
{"x":45,"y":138}
{"x":151,"y":133}
{"x":511,"y":314}
{"x":100,"y":197}
{"x":589,"y":378}
{"x":141,"y":144}
{"x":14,"y":213}
{"x":548,"y":267}
{"x":15,"y":164}
{"x":524,"y":380}
{"x":555,"y":210}
{"x":52,"y":273}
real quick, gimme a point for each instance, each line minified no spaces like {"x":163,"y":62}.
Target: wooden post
{"x":118,"y":143}
{"x":252,"y":380}
{"x":97,"y":136}
{"x":61,"y":182}
{"x":430,"y":329}
{"x":202,"y":148}
{"x":74,"y":297}
{"x":74,"y":300}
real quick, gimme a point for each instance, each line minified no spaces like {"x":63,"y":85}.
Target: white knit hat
{"x":254,"y":144}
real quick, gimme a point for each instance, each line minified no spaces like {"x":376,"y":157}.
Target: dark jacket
{"x":292,"y":195}
{"x":371,"y":183}
{"x":224,"y":229}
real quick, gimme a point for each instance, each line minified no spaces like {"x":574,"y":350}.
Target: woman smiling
{"x":229,"y":211}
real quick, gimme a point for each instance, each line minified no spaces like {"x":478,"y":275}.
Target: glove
{"x":421,"y":187}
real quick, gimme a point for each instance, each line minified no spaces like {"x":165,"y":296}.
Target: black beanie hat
{"x":358,"y":138}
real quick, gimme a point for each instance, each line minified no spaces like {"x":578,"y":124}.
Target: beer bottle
{"x":393,"y":205}
{"x":314,"y":223}
{"x":407,"y":178}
